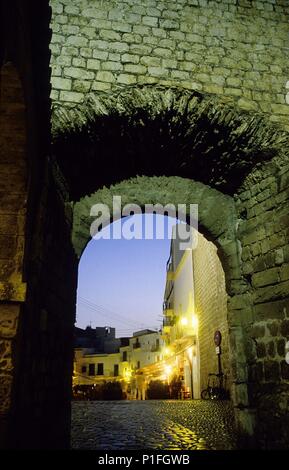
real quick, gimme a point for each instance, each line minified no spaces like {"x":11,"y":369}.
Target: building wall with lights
{"x":180,"y":330}
{"x":211,"y":308}
{"x":196,"y":296}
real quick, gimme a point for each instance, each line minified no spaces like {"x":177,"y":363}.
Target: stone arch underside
{"x":158,"y":131}
{"x":165,"y":132}
{"x":217,"y":215}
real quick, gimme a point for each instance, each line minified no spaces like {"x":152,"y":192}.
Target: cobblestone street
{"x":155,"y":424}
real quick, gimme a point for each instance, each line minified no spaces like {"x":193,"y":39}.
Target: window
{"x":115,"y":370}
{"x":100,"y":369}
{"x":83,"y":369}
{"x":124,"y":356}
{"x":138,"y":365}
{"x":91,"y":370}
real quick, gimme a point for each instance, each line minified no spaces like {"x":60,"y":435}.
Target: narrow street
{"x":153,"y":424}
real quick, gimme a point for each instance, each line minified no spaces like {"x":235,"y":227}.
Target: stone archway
{"x":164,"y":132}
{"x":217,"y":221}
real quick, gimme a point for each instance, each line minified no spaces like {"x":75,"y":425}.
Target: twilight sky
{"x":121,"y":282}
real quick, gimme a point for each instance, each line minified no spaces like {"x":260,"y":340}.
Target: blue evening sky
{"x":121,"y":282}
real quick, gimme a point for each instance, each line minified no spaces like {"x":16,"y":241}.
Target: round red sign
{"x":217,"y":338}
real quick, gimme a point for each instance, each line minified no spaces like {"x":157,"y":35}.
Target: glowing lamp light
{"x":168,"y":370}
{"x":167,"y":351}
{"x":195,"y":321}
{"x":127,"y":374}
{"x":184,"y":321}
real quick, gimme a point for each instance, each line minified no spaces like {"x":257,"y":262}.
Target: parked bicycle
{"x":215,"y":389}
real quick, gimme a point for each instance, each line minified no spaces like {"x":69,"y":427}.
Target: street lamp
{"x":184,"y":321}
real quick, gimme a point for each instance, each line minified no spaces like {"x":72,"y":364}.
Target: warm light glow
{"x":166,"y":352}
{"x":168,"y":370}
{"x":127,"y":374}
{"x":190,"y":353}
{"x":184,"y":321}
{"x":195,"y":321}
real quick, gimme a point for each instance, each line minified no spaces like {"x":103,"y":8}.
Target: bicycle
{"x":215,"y":391}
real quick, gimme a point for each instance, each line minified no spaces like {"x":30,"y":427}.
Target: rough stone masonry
{"x":234,"y":48}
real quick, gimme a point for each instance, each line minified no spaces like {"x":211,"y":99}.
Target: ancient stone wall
{"x":211,"y":309}
{"x":237,"y":49}
{"x":263,"y":232}
{"x":13,"y":195}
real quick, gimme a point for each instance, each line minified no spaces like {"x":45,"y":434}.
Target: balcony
{"x":170,"y":271}
{"x":136,"y":345}
{"x":168,"y":309}
{"x":168,"y":321}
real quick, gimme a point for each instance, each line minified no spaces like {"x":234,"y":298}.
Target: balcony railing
{"x":167,"y":305}
{"x":168,"y":321}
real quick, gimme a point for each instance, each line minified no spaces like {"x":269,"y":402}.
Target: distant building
{"x":102,"y":339}
{"x":99,"y":357}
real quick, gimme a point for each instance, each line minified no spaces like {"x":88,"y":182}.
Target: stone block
{"x":112,"y":66}
{"x":132,"y":38}
{"x":271,"y":371}
{"x":5,"y":393}
{"x":284,"y":328}
{"x":79,"y":62}
{"x":284,"y":272}
{"x":71,"y":96}
{"x":163,"y":52}
{"x":77,"y":72}
{"x":130,"y":58}
{"x":5,"y":356}
{"x":257,"y":331}
{"x":150,"y":61}
{"x":135,"y":69}
{"x":61,"y":83}
{"x":273,"y":328}
{"x":94,"y":12}
{"x":105,"y":76}
{"x":150,"y":21}
{"x":157,"y":71}
{"x":93,"y":64}
{"x":271,"y":310}
{"x":126,"y":79}
{"x":275,"y":292}
{"x":270,"y":349}
{"x":82,"y":86}
{"x":261,"y":350}
{"x":284,"y":370}
{"x":281,"y":347}
{"x":9,"y":314}
{"x":169,"y":24}
{"x":76,"y":41}
{"x":267,"y":277}
{"x":119,"y":47}
{"x":7,"y":246}
{"x":101,"y":86}
{"x":101,"y":55}
{"x":109,"y":35}
{"x":216,"y":89}
{"x":159,"y":32}
{"x":121,"y":27}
